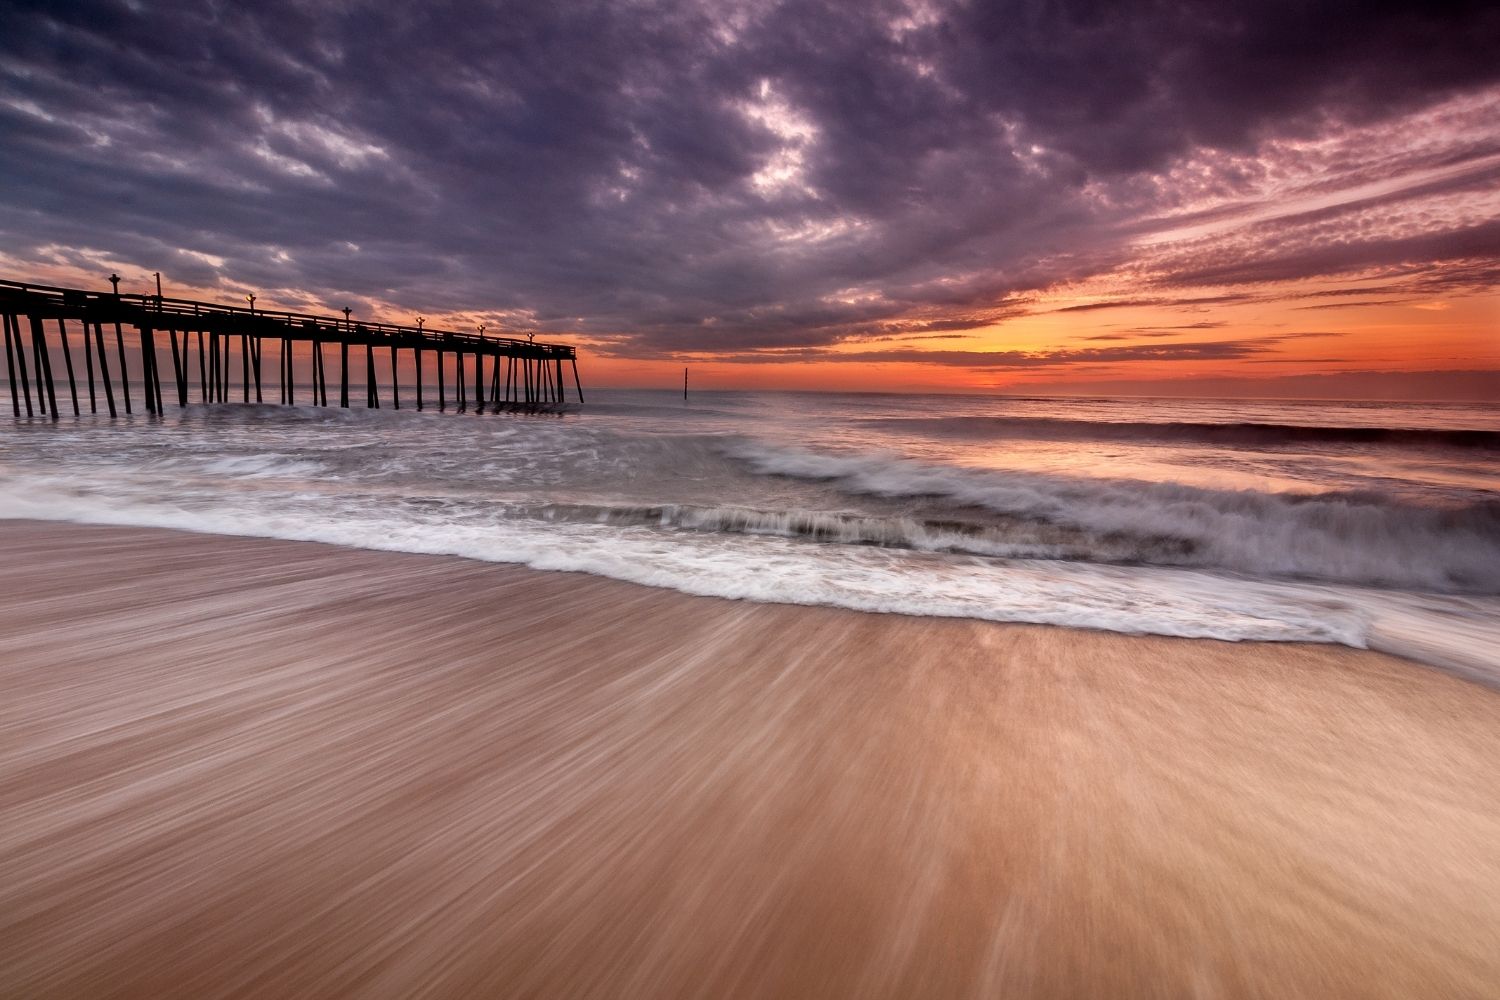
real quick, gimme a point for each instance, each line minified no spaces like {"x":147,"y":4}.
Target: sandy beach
{"x":234,"y":767}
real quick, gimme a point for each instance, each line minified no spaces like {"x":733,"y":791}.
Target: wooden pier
{"x":489,"y":373}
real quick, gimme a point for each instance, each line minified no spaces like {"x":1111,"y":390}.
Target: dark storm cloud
{"x":680,"y":176}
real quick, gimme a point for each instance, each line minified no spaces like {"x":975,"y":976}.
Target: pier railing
{"x":508,"y":372}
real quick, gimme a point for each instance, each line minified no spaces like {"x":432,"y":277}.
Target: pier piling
{"x":62,"y":333}
{"x":10,"y":366}
{"x":109,"y":389}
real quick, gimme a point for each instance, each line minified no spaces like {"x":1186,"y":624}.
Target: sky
{"x":1197,"y":198}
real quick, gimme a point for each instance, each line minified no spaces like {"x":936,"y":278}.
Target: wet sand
{"x":235,"y":767}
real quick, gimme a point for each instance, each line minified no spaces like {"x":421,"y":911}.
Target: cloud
{"x":1362,"y":303}
{"x":1478,"y":242}
{"x":1088,"y":358}
{"x":678,"y":176}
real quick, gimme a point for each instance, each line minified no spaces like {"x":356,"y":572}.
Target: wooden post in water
{"x":36,"y":364}
{"x":177,"y":379}
{"x":395,"y":378}
{"x":182,"y":367}
{"x":109,"y":389}
{"x":88,"y":364}
{"x":576,"y":383}
{"x":245,"y":364}
{"x":184,"y":383}
{"x":43,"y":364}
{"x":182,"y":360}
{"x":10,"y":368}
{"x":479,"y":372}
{"x":255,"y":350}
{"x":145,"y":343}
{"x":156,"y":375}
{"x":478,"y":380}
{"x":62,"y":333}
{"x":291,"y":371}
{"x":344,"y":362}
{"x":124,"y":368}
{"x":15,"y":330}
{"x":315,"y":355}
{"x":202,"y":370}
{"x":372,"y":401}
{"x":156,"y":378}
{"x":320,"y":370}
{"x":458,"y":378}
{"x":147,"y":368}
{"x":418,"y":352}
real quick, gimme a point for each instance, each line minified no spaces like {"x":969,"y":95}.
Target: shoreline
{"x":245,"y":766}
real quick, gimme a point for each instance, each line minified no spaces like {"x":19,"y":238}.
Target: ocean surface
{"x":1370,"y":524}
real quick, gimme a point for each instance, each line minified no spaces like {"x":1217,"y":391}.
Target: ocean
{"x":1375,"y":525}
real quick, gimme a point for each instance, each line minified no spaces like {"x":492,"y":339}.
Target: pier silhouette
{"x":504,"y":373}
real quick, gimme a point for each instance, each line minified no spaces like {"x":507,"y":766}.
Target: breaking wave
{"x":1362,"y":538}
{"x":807,"y":514}
{"x":1012,"y":538}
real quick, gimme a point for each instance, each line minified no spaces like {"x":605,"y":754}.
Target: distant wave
{"x":1244,"y":434}
{"x":1362,"y":538}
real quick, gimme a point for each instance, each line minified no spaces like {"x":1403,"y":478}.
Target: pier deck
{"x":502,"y":372}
